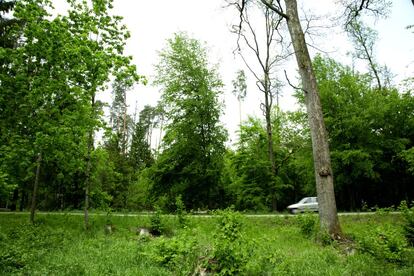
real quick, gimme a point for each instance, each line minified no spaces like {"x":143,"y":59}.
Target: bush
{"x":384,"y":243}
{"x":157,"y":226}
{"x":228,"y":256}
{"x":177,"y":253}
{"x":180,"y":211}
{"x":408,"y":226}
{"x":307,"y":224}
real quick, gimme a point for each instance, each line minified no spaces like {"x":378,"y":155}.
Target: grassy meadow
{"x":227,"y":243}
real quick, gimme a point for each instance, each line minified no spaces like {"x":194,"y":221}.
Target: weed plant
{"x":408,"y":225}
{"x":180,"y":211}
{"x":228,"y":244}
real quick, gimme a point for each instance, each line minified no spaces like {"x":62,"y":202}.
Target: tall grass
{"x":58,"y":245}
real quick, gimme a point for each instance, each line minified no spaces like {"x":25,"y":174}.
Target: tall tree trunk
{"x":35,"y":188}
{"x":88,"y":168}
{"x":270,"y":151}
{"x":161,"y":129}
{"x":124,"y":127}
{"x":23,"y":201}
{"x":373,"y":67}
{"x":87,"y":180}
{"x":322,"y":163}
{"x":269,"y":131}
{"x":240,"y":113}
{"x":13,"y":205}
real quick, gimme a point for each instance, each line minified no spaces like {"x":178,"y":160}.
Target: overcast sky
{"x":152,"y":22}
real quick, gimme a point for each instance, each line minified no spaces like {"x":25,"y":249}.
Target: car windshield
{"x":304,"y":200}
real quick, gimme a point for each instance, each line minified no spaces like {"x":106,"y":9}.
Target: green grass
{"x":58,"y":245}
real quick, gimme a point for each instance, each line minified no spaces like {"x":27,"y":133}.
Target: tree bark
{"x":88,"y":168}
{"x":87,"y":180}
{"x":321,"y":155}
{"x":268,"y":110}
{"x":35,"y":188}
{"x":240,"y":114}
{"x":270,"y":150}
{"x":13,"y":205}
{"x":373,"y":67}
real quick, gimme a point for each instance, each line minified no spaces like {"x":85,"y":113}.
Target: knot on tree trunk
{"x":324,"y":171}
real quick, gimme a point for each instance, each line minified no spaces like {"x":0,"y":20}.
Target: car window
{"x":303,"y":200}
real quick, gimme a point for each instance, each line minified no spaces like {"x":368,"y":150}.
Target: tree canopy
{"x":192,"y":149}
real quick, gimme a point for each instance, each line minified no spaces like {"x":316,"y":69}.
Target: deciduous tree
{"x":193,"y":146}
{"x":370,"y":132}
{"x":50,"y":82}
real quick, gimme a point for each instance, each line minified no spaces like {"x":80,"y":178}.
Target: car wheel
{"x":294,"y":211}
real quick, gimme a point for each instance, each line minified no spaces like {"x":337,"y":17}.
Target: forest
{"x":88,"y":187}
{"x":60,"y":148}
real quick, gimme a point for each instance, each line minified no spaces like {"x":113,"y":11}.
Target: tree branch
{"x":248,"y":67}
{"x":277,"y":9}
{"x":354,"y":8}
{"x":294,"y":87}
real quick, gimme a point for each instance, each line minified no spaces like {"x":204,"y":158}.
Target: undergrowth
{"x":226,"y":244}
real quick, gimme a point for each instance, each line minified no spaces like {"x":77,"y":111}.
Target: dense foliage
{"x":250,"y":183}
{"x":49,"y":81}
{"x":371,"y":133}
{"x":52,"y":68}
{"x":191,"y":159}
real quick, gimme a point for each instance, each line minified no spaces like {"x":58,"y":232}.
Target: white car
{"x":305,"y":204}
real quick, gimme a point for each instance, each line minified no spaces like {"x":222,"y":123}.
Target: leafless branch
{"x":263,"y":108}
{"x":354,"y":9}
{"x":277,"y":9}
{"x":364,"y":42}
{"x":260,"y":86}
{"x":294,"y":87}
{"x":248,"y":67}
{"x":319,"y":49}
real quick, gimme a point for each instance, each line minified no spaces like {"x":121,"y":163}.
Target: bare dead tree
{"x":265,"y":58}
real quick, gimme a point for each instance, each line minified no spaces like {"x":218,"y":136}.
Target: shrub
{"x":408,"y":226}
{"x":307,"y":224}
{"x":384,"y":243}
{"x":364,"y":207}
{"x":177,"y":253}
{"x":180,"y":211}
{"x":228,"y":256}
{"x":157,"y":226}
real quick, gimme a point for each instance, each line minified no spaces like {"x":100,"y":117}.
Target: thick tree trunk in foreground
{"x":35,"y":188}
{"x":322,"y":163}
